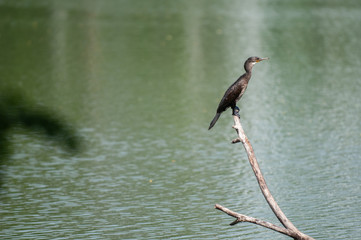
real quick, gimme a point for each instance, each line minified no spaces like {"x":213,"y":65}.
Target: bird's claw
{"x":236,"y":112}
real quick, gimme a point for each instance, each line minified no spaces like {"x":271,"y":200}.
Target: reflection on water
{"x":16,"y":112}
{"x":142,"y":80}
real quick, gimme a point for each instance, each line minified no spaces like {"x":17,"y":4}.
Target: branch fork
{"x":288,"y":228}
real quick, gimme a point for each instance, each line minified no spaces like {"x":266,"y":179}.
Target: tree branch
{"x":289,"y":229}
{"x":243,"y":218}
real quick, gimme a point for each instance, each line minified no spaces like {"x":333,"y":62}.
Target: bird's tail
{"x":214,"y":120}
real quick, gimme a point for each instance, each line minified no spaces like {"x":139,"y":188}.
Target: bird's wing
{"x":229,"y":98}
{"x":244,"y":87}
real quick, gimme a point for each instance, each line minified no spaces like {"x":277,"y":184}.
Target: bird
{"x":236,"y":90}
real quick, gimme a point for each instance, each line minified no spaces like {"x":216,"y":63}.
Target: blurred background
{"x":140,"y":81}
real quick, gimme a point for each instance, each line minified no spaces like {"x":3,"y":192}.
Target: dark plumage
{"x":236,"y":90}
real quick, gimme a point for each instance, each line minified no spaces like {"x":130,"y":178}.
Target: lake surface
{"x":141,"y":80}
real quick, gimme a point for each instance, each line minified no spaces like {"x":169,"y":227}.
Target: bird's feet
{"x":236,"y":112}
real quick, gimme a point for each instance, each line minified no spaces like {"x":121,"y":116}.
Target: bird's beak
{"x":261,"y":59}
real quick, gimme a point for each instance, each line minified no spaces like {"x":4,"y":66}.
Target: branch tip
{"x":234,"y":222}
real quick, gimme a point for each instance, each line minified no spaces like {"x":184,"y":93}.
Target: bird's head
{"x":252,"y":61}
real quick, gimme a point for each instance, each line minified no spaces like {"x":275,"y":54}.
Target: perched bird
{"x":236,"y":90}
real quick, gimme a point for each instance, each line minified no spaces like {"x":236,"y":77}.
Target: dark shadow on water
{"x":16,"y":111}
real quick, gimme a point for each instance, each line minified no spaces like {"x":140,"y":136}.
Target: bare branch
{"x":289,"y":229}
{"x":261,"y":181}
{"x":243,"y":218}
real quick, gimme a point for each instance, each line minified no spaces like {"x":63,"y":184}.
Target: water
{"x":140,"y":81}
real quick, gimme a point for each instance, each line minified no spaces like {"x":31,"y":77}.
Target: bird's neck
{"x":248,"y":68}
{"x":249,"y":71}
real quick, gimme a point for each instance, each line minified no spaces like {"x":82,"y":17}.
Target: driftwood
{"x":288,"y":228}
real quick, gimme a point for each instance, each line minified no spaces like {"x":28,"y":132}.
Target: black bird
{"x":236,"y":90}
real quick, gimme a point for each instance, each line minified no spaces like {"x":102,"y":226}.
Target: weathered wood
{"x":243,"y":218}
{"x":289,"y":229}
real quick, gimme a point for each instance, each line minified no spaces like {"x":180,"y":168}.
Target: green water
{"x":141,"y":80}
